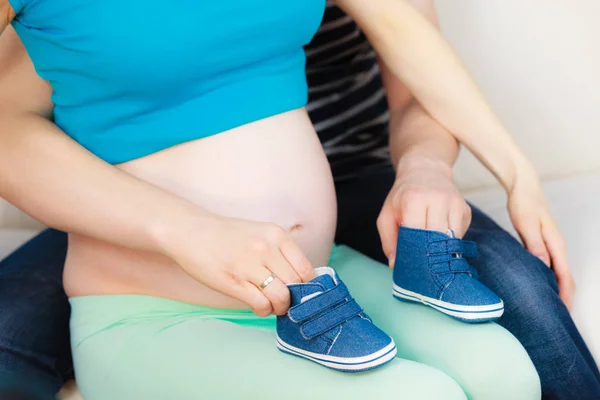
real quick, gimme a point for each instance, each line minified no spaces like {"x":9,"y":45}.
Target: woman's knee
{"x":436,"y":385}
{"x":499,"y":369}
{"x":411,"y":380}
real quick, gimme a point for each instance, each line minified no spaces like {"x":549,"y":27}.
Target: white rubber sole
{"x":344,"y":364}
{"x":468,"y":313}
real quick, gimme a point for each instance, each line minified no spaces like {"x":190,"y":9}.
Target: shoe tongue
{"x":325,"y":280}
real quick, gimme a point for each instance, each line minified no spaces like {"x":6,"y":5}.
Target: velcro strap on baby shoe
{"x":453,"y":265}
{"x":319,"y":303}
{"x":330,"y":319}
{"x":453,"y":246}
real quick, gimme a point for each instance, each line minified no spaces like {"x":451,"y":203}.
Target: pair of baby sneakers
{"x":325,"y":324}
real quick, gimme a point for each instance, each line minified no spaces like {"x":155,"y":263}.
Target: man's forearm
{"x":52,"y":178}
{"x":416,"y":138}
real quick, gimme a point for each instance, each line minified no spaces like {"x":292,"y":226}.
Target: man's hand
{"x":533,"y":221}
{"x":425,"y":197}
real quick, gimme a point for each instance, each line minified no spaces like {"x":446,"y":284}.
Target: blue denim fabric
{"x":431,"y":266}
{"x":413,"y":270}
{"x":534,"y":313}
{"x":35,"y":353}
{"x":325,"y":320}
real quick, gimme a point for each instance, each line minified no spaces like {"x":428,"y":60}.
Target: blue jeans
{"x":35,"y":351}
{"x":34,"y":311}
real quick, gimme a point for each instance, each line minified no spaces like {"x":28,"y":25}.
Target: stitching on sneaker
{"x":335,"y":339}
{"x":446,"y":287}
{"x":365,"y":318}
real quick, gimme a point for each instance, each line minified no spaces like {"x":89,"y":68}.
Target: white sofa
{"x":540,"y":72}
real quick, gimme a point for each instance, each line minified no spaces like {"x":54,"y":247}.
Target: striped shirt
{"x":347,"y":102}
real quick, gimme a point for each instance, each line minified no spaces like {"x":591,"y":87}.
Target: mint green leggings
{"x":129,"y":347}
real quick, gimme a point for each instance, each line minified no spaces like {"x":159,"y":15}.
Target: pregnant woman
{"x":220,"y":180}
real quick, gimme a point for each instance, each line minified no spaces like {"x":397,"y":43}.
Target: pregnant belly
{"x":273,"y":170}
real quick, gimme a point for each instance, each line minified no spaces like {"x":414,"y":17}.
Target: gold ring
{"x":267,"y":281}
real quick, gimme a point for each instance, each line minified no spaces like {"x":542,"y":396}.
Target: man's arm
{"x":423,"y":153}
{"x":413,"y":130}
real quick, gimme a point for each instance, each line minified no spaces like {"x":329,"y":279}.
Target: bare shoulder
{"x":21,"y":88}
{"x":7,"y":13}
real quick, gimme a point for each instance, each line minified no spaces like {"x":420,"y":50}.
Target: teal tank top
{"x":133,"y":77}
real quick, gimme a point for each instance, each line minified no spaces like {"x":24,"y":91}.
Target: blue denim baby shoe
{"x":431,"y":269}
{"x":325,"y":324}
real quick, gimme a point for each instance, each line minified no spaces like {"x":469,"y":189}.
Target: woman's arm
{"x":415,"y":52}
{"x":54,"y":179}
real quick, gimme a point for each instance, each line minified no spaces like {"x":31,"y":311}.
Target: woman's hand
{"x":235,"y":256}
{"x":424,"y":197}
{"x":531,"y":218}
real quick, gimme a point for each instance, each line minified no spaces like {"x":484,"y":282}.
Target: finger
{"x":412,"y":212}
{"x":275,"y":290}
{"x":560,"y":264}
{"x":279,"y":296}
{"x":456,"y":219}
{"x":530,"y":231}
{"x":298,"y":261}
{"x":388,"y":232}
{"x":242,"y":290}
{"x":437,"y":217}
{"x":277,"y":263}
{"x":467,"y":218}
{"x":249,"y":294}
{"x":566,"y":291}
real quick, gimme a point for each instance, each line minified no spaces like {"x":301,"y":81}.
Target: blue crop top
{"x":133,"y":77}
